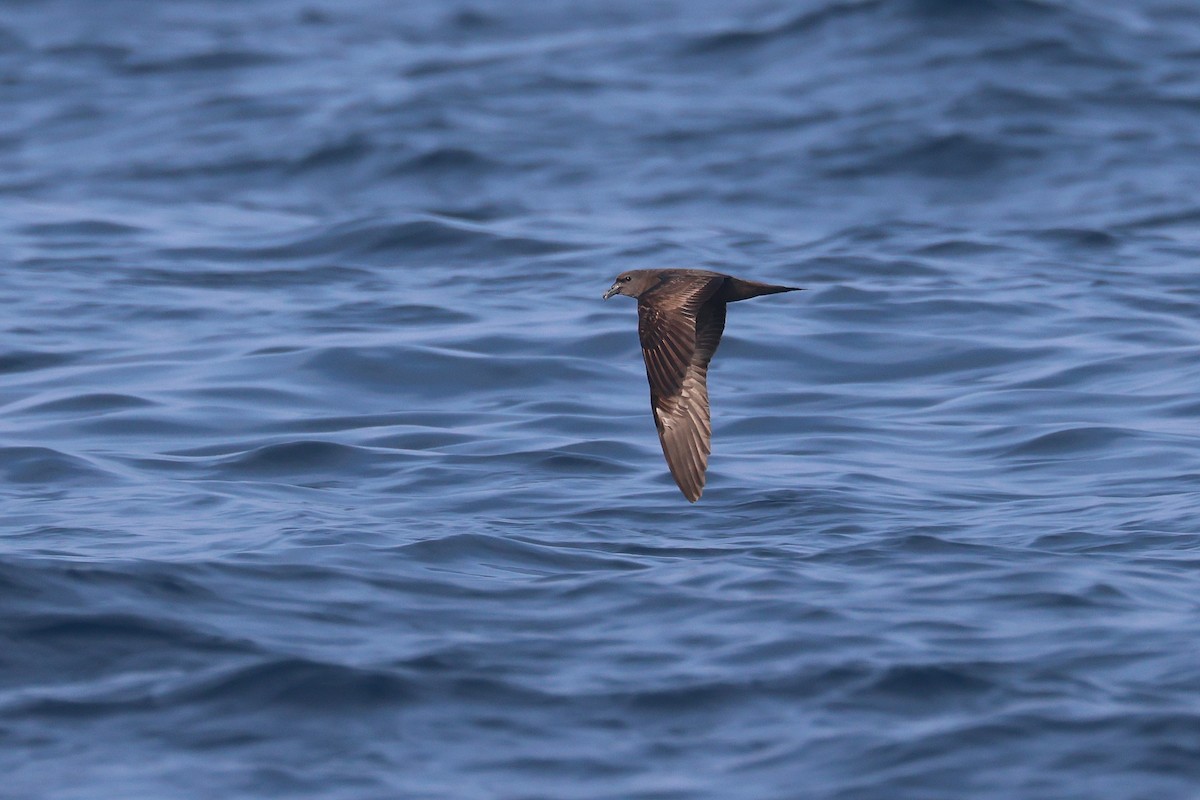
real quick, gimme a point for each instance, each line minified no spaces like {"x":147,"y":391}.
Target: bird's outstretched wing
{"x":680,"y":324}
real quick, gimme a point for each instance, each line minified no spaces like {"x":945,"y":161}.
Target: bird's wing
{"x":680,"y":326}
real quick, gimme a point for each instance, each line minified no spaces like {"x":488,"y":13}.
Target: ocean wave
{"x":47,"y":467}
{"x":314,"y":420}
{"x":217,"y":60}
{"x":434,"y":371}
{"x":445,"y":160}
{"x":952,"y":155}
{"x":12,"y":361}
{"x":725,"y":42}
{"x":301,"y":458}
{"x":90,"y":403}
{"x":298,"y":683}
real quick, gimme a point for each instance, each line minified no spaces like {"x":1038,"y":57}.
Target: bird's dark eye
{"x":626,"y":279}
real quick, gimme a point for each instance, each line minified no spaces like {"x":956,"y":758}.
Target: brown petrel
{"x":681,"y":314}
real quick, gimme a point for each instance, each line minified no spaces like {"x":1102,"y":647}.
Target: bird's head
{"x":633,"y":283}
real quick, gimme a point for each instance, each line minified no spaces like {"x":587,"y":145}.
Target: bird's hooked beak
{"x":614,"y":289}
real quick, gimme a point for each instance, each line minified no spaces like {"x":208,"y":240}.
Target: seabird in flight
{"x":681,"y":314}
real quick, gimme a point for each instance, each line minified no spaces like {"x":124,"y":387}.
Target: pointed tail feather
{"x":739,"y":289}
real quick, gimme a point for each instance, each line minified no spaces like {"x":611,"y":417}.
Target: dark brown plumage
{"x":681,"y":314}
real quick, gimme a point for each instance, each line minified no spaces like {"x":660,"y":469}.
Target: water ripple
{"x":313,"y":418}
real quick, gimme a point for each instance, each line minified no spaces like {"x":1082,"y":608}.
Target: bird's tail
{"x":738,"y":289}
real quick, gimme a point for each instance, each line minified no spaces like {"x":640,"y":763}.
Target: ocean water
{"x":326,"y":473}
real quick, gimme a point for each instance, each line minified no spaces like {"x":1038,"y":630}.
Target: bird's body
{"x":681,"y":315}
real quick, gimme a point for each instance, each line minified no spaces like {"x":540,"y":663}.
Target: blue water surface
{"x":326,"y":473}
